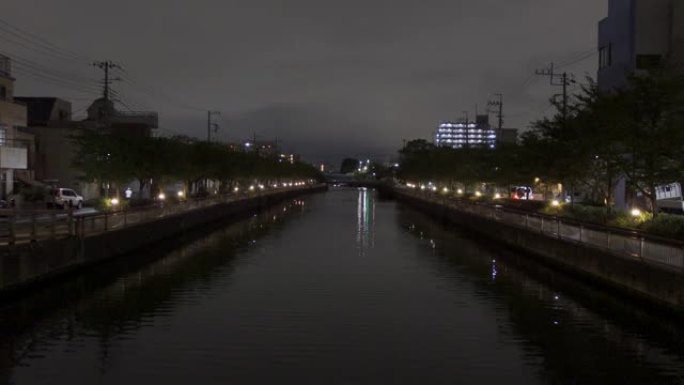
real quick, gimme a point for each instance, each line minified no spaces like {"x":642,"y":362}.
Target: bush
{"x":665,"y":225}
{"x":590,"y":214}
{"x":33,"y":194}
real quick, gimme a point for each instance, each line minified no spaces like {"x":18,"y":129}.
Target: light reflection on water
{"x":365,"y":209}
{"x":337,"y":288}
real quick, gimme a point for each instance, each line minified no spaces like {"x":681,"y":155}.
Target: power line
{"x":56,"y":81}
{"x":498,"y":103}
{"x":577,"y":60}
{"x":63,"y":76}
{"x":40,"y":42}
{"x":105,"y":66}
{"x":565,"y":80}
{"x":155,"y":93}
{"x":576,"y":57}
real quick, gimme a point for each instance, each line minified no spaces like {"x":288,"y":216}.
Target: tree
{"x":349,"y":165}
{"x":653,"y":131}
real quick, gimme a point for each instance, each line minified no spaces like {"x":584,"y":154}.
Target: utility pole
{"x":210,"y":124}
{"x":466,"y":130}
{"x":106,"y":66}
{"x":106,"y":110}
{"x":559,"y":80}
{"x":498,"y":103}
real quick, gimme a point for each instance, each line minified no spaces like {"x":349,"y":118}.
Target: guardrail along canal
{"x":335,"y":288}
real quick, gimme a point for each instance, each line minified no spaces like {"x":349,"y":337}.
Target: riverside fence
{"x":17,"y":226}
{"x":622,"y":242}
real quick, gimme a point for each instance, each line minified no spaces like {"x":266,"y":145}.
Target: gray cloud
{"x":326,"y":77}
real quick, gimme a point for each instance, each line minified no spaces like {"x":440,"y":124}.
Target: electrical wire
{"x":38,"y":41}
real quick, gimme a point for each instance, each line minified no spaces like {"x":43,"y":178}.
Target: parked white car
{"x":64,"y":197}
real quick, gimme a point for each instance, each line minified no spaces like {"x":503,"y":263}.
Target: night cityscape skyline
{"x":342,"y":192}
{"x":327,"y":88}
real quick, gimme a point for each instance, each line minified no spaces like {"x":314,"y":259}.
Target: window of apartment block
{"x":605,"y":56}
{"x":3,"y":134}
{"x":3,"y":92}
{"x":645,"y":62}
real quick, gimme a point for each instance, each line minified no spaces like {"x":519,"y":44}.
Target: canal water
{"x":334,"y":288}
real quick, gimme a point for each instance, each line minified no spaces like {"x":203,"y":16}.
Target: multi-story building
{"x":638,"y":35}
{"x":290,"y":158}
{"x":49,"y":120}
{"x":264,"y":148}
{"x":466,"y":134}
{"x":14,"y":144}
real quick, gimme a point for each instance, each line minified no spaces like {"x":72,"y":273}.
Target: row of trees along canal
{"x":157,"y":161}
{"x":635,"y":134}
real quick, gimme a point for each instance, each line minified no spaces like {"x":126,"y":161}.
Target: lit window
{"x":605,"y":56}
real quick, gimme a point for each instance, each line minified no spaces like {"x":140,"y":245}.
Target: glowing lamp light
{"x":251,"y":188}
{"x":161,"y":196}
{"x":636,"y":212}
{"x":181,"y":194}
{"x":537,"y":180}
{"x":478,"y":194}
{"x":497,"y":196}
{"x":555,"y":203}
{"x":114,"y":201}
{"x":460,"y":191}
{"x":236,"y":189}
{"x":445,"y":190}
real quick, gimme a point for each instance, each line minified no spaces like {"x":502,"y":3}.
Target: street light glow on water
{"x":341,"y":287}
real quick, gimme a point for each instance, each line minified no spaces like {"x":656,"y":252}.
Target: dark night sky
{"x":329,"y":78}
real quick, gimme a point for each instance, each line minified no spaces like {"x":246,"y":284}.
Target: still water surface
{"x":336,"y":288}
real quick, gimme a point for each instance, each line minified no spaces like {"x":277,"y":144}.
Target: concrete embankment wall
{"x":26,"y":265}
{"x":643,"y":281}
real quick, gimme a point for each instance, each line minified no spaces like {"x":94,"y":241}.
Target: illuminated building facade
{"x":466,"y":134}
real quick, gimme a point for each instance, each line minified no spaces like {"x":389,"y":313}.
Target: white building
{"x":466,"y":134}
{"x":14,"y":144}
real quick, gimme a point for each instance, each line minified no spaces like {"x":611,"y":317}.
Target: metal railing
{"x":18,"y":226}
{"x":622,"y":242}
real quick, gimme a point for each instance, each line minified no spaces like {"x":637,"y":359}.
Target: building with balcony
{"x":466,"y":134}
{"x":638,"y":35}
{"x":14,"y":144}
